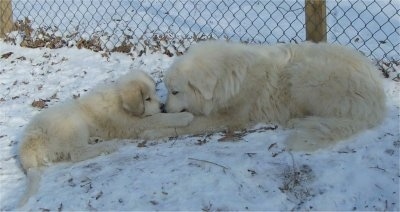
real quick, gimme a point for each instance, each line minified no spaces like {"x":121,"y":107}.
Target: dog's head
{"x":206,"y":77}
{"x":138,"y":95}
{"x":183,"y":95}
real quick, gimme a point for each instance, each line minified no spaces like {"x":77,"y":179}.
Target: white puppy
{"x":325,"y":92}
{"x":120,"y":110}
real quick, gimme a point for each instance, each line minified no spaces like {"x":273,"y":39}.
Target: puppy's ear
{"x":132,"y":98}
{"x":204,"y":85}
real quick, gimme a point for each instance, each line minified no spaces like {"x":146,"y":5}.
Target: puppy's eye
{"x":174,"y":92}
{"x":148,"y":99}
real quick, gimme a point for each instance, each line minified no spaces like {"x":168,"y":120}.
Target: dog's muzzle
{"x":162,"y":108}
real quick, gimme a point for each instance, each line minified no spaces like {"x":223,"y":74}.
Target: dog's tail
{"x":33,"y":181}
{"x":31,"y":158}
{"x":313,"y":133}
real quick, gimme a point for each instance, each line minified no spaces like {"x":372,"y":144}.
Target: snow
{"x":249,"y":170}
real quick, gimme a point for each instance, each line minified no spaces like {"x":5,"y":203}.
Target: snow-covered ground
{"x":246,"y":171}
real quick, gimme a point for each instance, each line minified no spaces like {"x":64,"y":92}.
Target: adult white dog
{"x":120,"y":110}
{"x":325,"y":92}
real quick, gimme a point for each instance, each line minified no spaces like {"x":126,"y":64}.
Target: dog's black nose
{"x":162,"y":108}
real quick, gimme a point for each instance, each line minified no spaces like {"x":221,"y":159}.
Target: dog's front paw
{"x":182,"y":119}
{"x":185,"y":118}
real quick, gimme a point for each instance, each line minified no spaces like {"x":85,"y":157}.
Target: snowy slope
{"x":246,"y":171}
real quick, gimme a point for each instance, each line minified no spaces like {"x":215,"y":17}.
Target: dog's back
{"x":338,"y":90}
{"x":50,"y":136}
{"x":332,"y":80}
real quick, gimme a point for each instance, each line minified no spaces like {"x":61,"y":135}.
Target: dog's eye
{"x":174,"y":92}
{"x":148,"y":99}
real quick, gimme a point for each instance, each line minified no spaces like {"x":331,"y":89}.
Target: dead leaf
{"x":99,"y":195}
{"x":272,"y":145}
{"x":54,"y":96}
{"x":39,"y":103}
{"x":6,"y":55}
{"x":21,"y":58}
{"x":153,"y":202}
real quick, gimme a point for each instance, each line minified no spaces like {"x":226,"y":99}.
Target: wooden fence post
{"x":316,"y":20}
{"x":6,"y":20}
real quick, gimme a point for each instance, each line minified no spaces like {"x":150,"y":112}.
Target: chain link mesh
{"x":371,"y":27}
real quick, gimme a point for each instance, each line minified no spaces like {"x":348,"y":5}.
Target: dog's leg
{"x":153,"y":122}
{"x":199,"y":125}
{"x":313,"y":133}
{"x":93,"y":150}
{"x":153,"y":134}
{"x":167,"y":120}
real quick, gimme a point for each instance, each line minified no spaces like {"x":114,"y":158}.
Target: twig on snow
{"x":205,"y":161}
{"x":377,"y":167}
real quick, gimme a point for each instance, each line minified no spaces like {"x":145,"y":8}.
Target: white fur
{"x":325,"y":92}
{"x":120,"y":110}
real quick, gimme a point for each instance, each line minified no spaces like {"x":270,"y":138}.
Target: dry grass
{"x":167,"y":43}
{"x":50,"y":37}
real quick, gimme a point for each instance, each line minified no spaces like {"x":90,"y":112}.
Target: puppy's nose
{"x":162,"y":108}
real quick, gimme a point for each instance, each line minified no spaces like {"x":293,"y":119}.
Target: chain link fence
{"x":170,"y":26}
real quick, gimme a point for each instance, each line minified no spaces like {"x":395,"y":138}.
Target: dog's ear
{"x":132,"y":98}
{"x":221,"y":81}
{"x":204,"y":84}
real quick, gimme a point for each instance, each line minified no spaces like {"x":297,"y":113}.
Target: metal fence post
{"x":316,"y":20}
{"x":6,"y":21}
